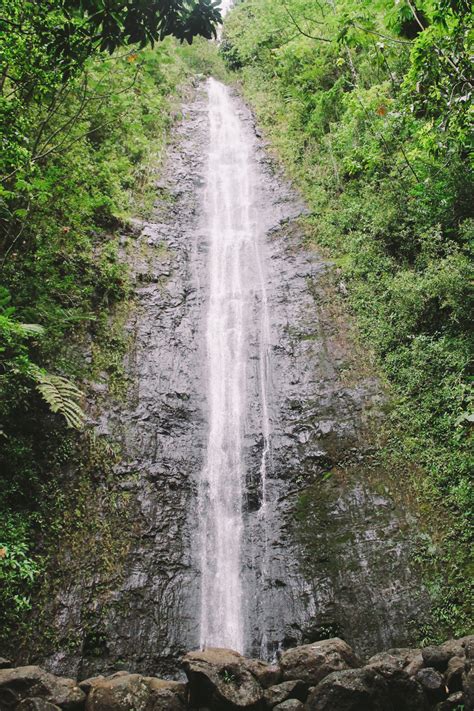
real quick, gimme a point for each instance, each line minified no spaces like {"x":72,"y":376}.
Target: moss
{"x":110,"y":345}
{"x":89,"y":525}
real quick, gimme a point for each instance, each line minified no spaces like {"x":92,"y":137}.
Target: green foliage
{"x":82,"y":136}
{"x":18,"y":570}
{"x":62,"y":396}
{"x":369,"y":104}
{"x":114,"y":24}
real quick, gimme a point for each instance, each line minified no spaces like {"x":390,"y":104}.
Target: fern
{"x":62,"y":397}
{"x":30,"y":329}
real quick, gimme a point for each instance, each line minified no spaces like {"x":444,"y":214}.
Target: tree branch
{"x":301,"y":31}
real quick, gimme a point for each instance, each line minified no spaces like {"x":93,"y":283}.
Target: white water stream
{"x":236,"y":279}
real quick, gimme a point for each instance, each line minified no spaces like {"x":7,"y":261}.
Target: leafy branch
{"x":61,"y":395}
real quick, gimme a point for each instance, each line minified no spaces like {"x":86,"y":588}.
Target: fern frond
{"x":62,"y":397}
{"x":31,"y":329}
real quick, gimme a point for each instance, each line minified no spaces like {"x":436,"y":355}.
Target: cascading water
{"x":235,"y":275}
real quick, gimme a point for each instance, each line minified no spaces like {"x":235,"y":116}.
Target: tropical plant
{"x":62,"y":396}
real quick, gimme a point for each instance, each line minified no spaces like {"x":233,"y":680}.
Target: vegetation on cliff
{"x":85,"y":109}
{"x":368,"y":105}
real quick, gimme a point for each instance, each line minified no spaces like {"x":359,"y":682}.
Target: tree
{"x":119,"y":22}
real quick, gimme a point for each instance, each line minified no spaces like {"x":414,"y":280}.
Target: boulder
{"x":468,"y":688}
{"x":454,"y":702}
{"x":290,"y":705}
{"x":457,"y":647}
{"x":415,"y":665}
{"x":36,"y":705}
{"x":87,"y":684}
{"x":28,"y":682}
{"x":453,"y":675}
{"x":406,"y":694}
{"x":5,"y":663}
{"x":399,"y":656}
{"x":221,"y":680}
{"x":387,"y":665}
{"x":436,"y":657}
{"x":266,"y":674}
{"x":312,"y":662}
{"x":286,"y":690}
{"x":410,"y":660}
{"x":352,"y":690}
{"x":134,"y":692}
{"x":433,"y":684}
{"x":468,"y":646}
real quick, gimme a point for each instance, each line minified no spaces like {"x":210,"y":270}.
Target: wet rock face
{"x":145,"y":616}
{"x":330,"y":555}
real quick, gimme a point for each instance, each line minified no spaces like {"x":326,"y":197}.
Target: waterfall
{"x":225,"y":6}
{"x":235,"y":278}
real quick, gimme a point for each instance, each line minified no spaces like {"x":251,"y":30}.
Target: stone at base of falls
{"x":433,"y":684}
{"x":266,"y":674}
{"x":436,"y":657}
{"x":288,"y":690}
{"x":123,"y":692}
{"x":312,"y":662}
{"x":354,"y":690}
{"x":28,"y":682}
{"x":221,"y":680}
{"x":37,"y":704}
{"x":454,"y":674}
{"x":468,"y":687}
{"x":290,"y":705}
{"x":399,"y":657}
{"x":454,"y":702}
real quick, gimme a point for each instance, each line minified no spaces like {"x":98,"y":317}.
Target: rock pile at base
{"x":322,"y":676}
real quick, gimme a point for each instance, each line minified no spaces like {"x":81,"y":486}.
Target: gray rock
{"x":5,"y":663}
{"x":286,"y":690}
{"x":457,"y":647}
{"x":408,"y":660}
{"x":266,"y":674}
{"x":87,"y":684}
{"x":398,"y":656}
{"x":290,"y":705}
{"x":36,"y":704}
{"x":453,"y":675}
{"x":21,"y":683}
{"x":134,"y":692}
{"x":468,"y":688}
{"x":415,"y":665}
{"x":433,"y":684}
{"x":405,"y":692}
{"x":221,"y":680}
{"x":351,"y":690}
{"x":436,"y":657}
{"x":468,"y":646}
{"x":312,"y":662}
{"x":454,"y":702}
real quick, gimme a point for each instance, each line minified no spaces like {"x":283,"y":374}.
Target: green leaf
{"x":62,"y":397}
